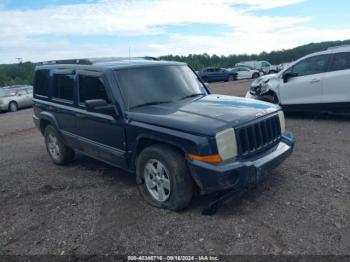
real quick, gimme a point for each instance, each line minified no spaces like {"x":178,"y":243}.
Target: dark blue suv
{"x":212,"y":74}
{"x":158,"y":120}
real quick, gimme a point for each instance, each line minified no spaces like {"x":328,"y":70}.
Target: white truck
{"x":262,"y":66}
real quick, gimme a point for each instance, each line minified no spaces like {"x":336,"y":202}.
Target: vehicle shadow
{"x":242,"y":202}
{"x":318,"y":116}
{"x":104,"y":170}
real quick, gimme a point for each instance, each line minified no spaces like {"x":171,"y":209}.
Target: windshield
{"x":158,"y":84}
{"x":5,"y":92}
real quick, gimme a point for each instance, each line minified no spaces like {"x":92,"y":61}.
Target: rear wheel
{"x":166,"y":182}
{"x":13,"y":107}
{"x":231,"y":78}
{"x":59,"y":153}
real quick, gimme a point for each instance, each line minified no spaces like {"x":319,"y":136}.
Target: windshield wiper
{"x":151,"y":103}
{"x":193,"y":95}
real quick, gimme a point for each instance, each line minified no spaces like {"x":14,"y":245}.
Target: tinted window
{"x":91,"y":88}
{"x":63,"y":86}
{"x":42,"y":82}
{"x":311,"y":66}
{"x":341,"y":61}
{"x":158,"y":84}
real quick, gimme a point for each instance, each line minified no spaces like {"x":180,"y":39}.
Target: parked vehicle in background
{"x":283,"y":66}
{"x":212,"y":74}
{"x":157,"y":119}
{"x":245,"y":72}
{"x":316,"y":82}
{"x":263,"y":66}
{"x":14,"y":97}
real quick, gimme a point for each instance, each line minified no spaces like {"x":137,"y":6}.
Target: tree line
{"x":274,"y":57}
{"x":17,"y":74}
{"x":22,"y":73}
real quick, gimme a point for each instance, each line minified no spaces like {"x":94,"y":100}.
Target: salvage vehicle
{"x":212,"y":74}
{"x":318,"y":82}
{"x":245,"y":72}
{"x":158,"y":120}
{"x":13,"y":98}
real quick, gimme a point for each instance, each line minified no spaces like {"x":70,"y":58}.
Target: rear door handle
{"x":315,"y":80}
{"x":82,"y":116}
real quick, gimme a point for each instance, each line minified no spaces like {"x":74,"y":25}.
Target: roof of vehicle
{"x":332,"y":50}
{"x":106,"y":63}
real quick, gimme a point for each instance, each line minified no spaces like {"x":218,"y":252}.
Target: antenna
{"x":128,"y":95}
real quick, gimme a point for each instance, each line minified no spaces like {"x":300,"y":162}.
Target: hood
{"x":207,"y":115}
{"x":262,"y":79}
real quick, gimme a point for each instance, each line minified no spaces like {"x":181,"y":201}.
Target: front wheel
{"x":13,"y":107}
{"x":166,"y":182}
{"x":255,"y":75}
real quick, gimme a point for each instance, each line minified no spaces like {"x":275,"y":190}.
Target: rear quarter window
{"x":63,"y":87}
{"x":42,"y":82}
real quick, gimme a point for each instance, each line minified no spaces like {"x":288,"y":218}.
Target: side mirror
{"x":286,"y":76}
{"x":100,"y":106}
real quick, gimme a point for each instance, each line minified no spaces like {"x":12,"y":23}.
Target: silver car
{"x":12,"y":99}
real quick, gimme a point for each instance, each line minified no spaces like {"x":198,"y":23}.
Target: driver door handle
{"x":315,"y":80}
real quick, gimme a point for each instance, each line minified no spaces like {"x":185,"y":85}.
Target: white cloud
{"x":248,"y":32}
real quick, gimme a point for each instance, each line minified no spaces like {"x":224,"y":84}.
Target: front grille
{"x":259,"y":136}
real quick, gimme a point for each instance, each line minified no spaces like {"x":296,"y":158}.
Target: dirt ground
{"x":91,"y":208}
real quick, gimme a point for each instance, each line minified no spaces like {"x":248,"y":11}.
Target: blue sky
{"x":53,"y":29}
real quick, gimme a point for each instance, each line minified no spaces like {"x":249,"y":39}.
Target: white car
{"x":245,"y":72}
{"x":316,"y":82}
{"x":262,"y":66}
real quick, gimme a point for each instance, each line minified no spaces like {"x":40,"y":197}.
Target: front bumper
{"x":242,"y":172}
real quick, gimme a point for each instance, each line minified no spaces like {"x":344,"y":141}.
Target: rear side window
{"x":42,"y":82}
{"x":63,"y":87}
{"x":341,"y":61}
{"x":91,"y":87}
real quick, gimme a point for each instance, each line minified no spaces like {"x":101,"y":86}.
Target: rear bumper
{"x":242,"y":172}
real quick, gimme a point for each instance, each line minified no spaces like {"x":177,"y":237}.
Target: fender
{"x":51,"y":118}
{"x":183,"y":141}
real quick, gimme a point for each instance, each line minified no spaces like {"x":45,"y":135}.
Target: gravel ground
{"x":91,"y":208}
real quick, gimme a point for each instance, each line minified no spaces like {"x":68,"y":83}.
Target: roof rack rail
{"x":91,"y":61}
{"x":338,"y":47}
{"x":67,"y":61}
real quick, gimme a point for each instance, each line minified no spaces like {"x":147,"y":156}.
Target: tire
{"x":166,"y":181}
{"x":271,"y":98}
{"x":231,"y":78}
{"x":13,"y":106}
{"x":275,"y":99}
{"x":255,"y":75}
{"x":205,"y":79}
{"x":59,"y":153}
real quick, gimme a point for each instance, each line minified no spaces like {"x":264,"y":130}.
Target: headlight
{"x":282,"y":121}
{"x":226,"y":143}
